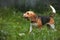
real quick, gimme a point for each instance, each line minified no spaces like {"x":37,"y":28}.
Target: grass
{"x":12,"y":24}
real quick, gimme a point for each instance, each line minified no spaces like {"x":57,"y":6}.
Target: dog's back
{"x":44,"y":19}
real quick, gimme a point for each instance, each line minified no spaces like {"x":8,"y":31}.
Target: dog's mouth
{"x":26,"y":18}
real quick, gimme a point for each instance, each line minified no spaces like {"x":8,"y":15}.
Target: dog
{"x":40,"y":20}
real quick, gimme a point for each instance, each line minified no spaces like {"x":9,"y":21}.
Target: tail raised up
{"x":53,"y":11}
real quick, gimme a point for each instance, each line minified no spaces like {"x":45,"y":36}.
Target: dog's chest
{"x":34,"y":24}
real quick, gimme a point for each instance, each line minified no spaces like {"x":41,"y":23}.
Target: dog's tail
{"x":53,"y":11}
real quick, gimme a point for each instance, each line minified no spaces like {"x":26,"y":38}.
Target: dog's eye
{"x":28,"y":13}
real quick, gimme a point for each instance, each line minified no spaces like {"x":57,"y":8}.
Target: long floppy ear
{"x":33,"y":17}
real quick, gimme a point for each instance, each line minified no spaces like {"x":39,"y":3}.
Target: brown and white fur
{"x":40,"y":20}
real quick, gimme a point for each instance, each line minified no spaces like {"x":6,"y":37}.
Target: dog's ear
{"x":33,"y":17}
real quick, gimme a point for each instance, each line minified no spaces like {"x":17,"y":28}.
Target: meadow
{"x":12,"y":25}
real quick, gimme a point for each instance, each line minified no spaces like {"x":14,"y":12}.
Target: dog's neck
{"x":34,"y":19}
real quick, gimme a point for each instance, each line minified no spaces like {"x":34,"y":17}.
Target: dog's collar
{"x":33,"y":21}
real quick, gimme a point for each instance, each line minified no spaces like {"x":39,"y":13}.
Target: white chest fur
{"x":34,"y":24}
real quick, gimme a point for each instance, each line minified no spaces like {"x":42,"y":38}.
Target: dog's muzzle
{"x":25,"y":16}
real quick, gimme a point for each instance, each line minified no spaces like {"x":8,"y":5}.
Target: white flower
{"x":21,"y":34}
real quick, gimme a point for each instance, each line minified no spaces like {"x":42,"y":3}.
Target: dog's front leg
{"x":30,"y":28}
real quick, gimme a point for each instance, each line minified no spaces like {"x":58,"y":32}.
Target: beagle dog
{"x":40,"y":20}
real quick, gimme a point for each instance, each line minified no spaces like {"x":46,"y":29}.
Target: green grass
{"x":12,"y":24}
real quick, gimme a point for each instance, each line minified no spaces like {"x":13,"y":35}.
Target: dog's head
{"x":30,"y":15}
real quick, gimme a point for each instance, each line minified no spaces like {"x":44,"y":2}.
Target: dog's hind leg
{"x":52,"y":26}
